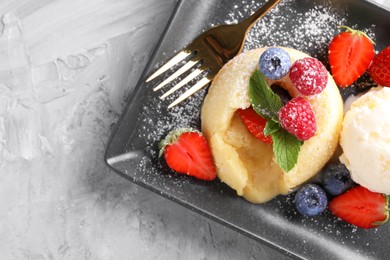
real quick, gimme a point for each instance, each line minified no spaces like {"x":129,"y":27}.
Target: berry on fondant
{"x":255,"y":124}
{"x":310,"y":200}
{"x":274,"y":63}
{"x":350,"y":53}
{"x":361,"y":207}
{"x":298,"y":118}
{"x":187,"y":151}
{"x":309,"y":76}
{"x":380,"y":68}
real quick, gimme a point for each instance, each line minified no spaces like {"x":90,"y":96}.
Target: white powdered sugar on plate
{"x":309,"y":31}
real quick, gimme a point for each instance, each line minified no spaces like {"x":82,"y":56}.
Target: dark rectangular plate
{"x":133,"y":148}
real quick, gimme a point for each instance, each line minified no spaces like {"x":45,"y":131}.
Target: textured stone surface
{"x":65,"y":69}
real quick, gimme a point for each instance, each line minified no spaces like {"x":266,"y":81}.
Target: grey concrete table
{"x":65,"y":70}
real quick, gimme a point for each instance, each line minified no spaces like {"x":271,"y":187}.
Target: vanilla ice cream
{"x":365,"y":139}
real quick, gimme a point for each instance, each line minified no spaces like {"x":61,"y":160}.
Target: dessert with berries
{"x":271,"y":123}
{"x":272,"y":118}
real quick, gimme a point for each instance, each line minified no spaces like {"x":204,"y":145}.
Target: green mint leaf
{"x":271,"y":127}
{"x":264,"y":101}
{"x":286,"y":149}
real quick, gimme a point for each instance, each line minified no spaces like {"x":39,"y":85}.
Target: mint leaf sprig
{"x":266,"y":103}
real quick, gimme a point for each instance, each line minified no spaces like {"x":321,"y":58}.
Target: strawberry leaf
{"x":264,"y":101}
{"x":286,"y":149}
{"x":172,"y":137}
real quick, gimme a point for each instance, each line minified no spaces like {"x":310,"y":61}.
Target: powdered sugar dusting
{"x":307,"y":29}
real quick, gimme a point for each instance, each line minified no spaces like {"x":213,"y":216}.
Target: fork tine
{"x":169,"y":64}
{"x":177,"y":73}
{"x":200,"y":84}
{"x":179,"y":85}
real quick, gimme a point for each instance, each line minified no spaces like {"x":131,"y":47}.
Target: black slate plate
{"x":302,"y":24}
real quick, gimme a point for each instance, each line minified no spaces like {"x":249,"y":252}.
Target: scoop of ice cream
{"x":365,"y":140}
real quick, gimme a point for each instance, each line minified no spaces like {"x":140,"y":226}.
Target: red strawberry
{"x":187,"y":151}
{"x":361,"y":207}
{"x":255,"y":124}
{"x":298,"y":118}
{"x":380,"y":68}
{"x":350,"y":54}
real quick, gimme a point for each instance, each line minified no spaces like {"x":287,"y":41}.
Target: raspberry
{"x":309,"y":76}
{"x":298,"y":118}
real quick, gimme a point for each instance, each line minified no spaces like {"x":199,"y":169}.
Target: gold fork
{"x":207,"y":54}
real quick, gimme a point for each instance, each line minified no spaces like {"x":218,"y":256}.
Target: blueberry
{"x":310,"y":200}
{"x":336,"y":178}
{"x":274,"y":63}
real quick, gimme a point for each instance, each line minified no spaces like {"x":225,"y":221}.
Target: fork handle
{"x":248,"y":23}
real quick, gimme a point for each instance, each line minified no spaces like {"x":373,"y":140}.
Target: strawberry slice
{"x":255,"y":124}
{"x":379,"y":69}
{"x":187,"y":151}
{"x":361,"y":207}
{"x":350,"y":54}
